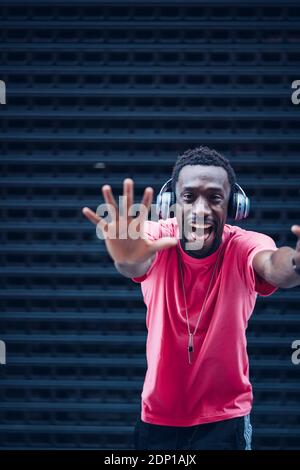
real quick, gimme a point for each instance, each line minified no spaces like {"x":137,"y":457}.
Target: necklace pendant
{"x":190,"y":348}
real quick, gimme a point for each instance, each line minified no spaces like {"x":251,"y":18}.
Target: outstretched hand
{"x":124,"y":236}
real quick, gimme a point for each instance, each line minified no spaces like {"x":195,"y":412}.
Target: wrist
{"x":133,"y":270}
{"x":130,"y":264}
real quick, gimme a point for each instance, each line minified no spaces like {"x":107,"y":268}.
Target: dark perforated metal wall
{"x":97,"y":91}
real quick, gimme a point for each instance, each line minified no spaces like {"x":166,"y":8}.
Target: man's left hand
{"x":296,"y":231}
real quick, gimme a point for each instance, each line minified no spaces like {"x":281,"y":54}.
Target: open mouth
{"x":201,"y":232}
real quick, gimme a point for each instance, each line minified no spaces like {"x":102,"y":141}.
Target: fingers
{"x":128,"y":196}
{"x":93,"y":217}
{"x":145,"y":206}
{"x":109,"y":197}
{"x":164,"y":243}
{"x":296,"y":230}
{"x":147,"y":198}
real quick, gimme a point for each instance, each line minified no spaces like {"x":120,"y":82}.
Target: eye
{"x":188,"y":197}
{"x":216,"y":197}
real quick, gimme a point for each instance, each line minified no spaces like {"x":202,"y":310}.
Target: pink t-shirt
{"x":216,"y":385}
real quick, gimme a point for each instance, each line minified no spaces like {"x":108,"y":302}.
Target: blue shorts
{"x":230,"y":434}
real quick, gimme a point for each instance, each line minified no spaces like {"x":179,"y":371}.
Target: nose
{"x":201,"y":208}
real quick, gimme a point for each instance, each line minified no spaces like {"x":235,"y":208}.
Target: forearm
{"x":134,"y":270}
{"x":281,"y":271}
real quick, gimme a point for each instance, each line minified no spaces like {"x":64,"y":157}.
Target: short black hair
{"x":202,"y":156}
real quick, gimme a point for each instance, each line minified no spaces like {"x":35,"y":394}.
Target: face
{"x":202,"y":193}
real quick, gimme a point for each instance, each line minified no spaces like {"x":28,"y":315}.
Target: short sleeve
{"x":249,"y":244}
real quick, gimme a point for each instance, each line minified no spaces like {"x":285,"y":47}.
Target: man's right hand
{"x":122,"y":248}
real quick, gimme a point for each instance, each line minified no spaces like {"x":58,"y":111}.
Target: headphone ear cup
{"x":165,"y":205}
{"x":172,"y":204}
{"x":244,"y":207}
{"x":158,"y":205}
{"x":165,"y":199}
{"x":239,"y":204}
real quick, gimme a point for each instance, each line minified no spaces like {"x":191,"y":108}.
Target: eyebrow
{"x":210,"y":188}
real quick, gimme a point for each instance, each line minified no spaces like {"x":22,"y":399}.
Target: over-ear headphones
{"x":238,"y":207}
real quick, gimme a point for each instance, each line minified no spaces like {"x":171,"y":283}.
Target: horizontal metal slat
{"x":111,"y":315}
{"x":157,"y":91}
{"x":149,"y":24}
{"x":155,"y":70}
{"x":111,"y":160}
{"x":172,"y":115}
{"x":83,"y":383}
{"x":130,"y":46}
{"x":47,"y":248}
{"x":140,"y":183}
{"x":65,"y":429}
{"x":160,"y":3}
{"x":188,"y":137}
{"x":275,"y":387}
{"x":56,"y":406}
{"x":83,"y":293}
{"x":59,"y":271}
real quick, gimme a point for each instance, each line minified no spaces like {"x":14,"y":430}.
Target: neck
{"x":199,"y":254}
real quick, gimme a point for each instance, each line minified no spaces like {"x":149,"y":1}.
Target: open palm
{"x":124,"y":236}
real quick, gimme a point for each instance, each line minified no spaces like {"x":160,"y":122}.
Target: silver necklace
{"x":191,"y":335}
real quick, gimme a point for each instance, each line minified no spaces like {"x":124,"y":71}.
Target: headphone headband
{"x":238,"y":208}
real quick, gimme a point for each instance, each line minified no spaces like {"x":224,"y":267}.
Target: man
{"x":200,"y":278}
